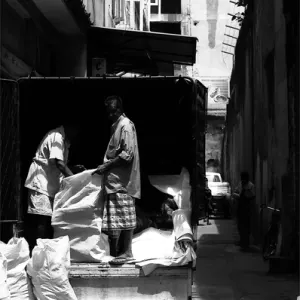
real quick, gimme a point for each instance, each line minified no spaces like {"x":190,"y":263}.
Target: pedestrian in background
{"x":244,"y":195}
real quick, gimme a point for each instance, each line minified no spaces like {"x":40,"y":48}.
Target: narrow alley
{"x":125,"y":125}
{"x":226,"y":273}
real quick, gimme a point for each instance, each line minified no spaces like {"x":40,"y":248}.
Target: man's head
{"x":244,"y":177}
{"x":71,"y":130}
{"x":114,"y":107}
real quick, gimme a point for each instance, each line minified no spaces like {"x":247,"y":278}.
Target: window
{"x":154,"y":2}
{"x":154,"y":9}
{"x":127,"y":13}
{"x":213,"y":178}
{"x":118,"y":10}
{"x":170,"y":6}
{"x":136,"y":15}
{"x":216,"y":178}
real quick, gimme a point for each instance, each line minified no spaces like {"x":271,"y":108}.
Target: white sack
{"x":77,"y":212}
{"x":16,"y":252}
{"x":153,"y":243}
{"x":152,"y":248}
{"x":4,"y":291}
{"x":177,"y":186}
{"x":182,"y":225}
{"x":48,"y":269}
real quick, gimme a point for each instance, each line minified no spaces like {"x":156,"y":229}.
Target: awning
{"x":139,"y":48}
{"x":54,"y":16}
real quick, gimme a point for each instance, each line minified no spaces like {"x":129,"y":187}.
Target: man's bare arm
{"x":116,"y":162}
{"x":63,"y":168}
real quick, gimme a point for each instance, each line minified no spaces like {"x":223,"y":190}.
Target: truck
{"x":221,"y":194}
{"x":170,"y":118}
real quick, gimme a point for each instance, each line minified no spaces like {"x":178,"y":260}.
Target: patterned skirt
{"x":119,"y":212}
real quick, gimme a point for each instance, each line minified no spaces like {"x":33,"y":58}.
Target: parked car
{"x":220,"y":194}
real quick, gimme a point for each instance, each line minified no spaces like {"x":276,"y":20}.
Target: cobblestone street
{"x":225,"y":273}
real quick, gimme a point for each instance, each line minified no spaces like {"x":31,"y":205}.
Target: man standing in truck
{"x":43,"y":180}
{"x":245,"y":194}
{"x":121,"y":171}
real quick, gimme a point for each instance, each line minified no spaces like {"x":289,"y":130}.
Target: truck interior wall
{"x":160,"y":111}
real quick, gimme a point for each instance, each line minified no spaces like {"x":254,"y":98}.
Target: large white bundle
{"x":177,"y":186}
{"x":48,"y":269}
{"x":77,"y":212}
{"x":16,"y":253}
{"x":4,"y":291}
{"x":153,"y":247}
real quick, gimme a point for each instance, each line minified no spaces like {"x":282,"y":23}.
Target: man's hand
{"x":100,"y":170}
{"x":78,"y":169}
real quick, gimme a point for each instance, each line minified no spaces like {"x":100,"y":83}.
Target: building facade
{"x":213,"y":68}
{"x":262,"y":134}
{"x":47,"y":37}
{"x":121,"y":14}
{"x":218,"y":94}
{"x":173,"y":17}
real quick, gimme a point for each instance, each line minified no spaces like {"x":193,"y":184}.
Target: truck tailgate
{"x":101,"y":281}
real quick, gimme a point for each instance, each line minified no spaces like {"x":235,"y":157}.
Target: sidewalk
{"x":225,"y":273}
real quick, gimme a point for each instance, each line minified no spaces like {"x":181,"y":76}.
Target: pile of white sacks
{"x":44,"y":276}
{"x":77,"y":223}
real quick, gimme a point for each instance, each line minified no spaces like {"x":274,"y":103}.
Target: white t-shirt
{"x":43,"y":175}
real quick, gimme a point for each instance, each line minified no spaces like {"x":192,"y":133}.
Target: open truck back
{"x":169,"y":116}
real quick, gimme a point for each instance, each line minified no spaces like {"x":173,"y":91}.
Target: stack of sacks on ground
{"x":4,"y":291}
{"x":14,"y":282}
{"x":48,"y":269}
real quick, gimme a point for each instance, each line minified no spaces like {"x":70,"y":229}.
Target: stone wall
{"x":260,"y":131}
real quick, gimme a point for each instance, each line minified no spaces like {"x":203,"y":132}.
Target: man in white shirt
{"x":122,"y":183}
{"x":245,"y":194}
{"x":48,"y":167}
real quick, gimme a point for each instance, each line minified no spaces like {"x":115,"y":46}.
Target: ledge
{"x":96,"y":270}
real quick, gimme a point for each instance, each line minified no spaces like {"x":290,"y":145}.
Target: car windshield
{"x":213,"y":178}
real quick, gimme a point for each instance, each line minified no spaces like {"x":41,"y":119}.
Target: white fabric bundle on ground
{"x":77,"y":212}
{"x":153,"y":243}
{"x":4,"y":291}
{"x":16,"y":253}
{"x":48,"y":269}
{"x":153,"y":248}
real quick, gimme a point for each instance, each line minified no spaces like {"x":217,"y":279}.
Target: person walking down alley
{"x":208,"y":202}
{"x":43,"y":181}
{"x":121,"y":173}
{"x":244,"y":195}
